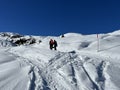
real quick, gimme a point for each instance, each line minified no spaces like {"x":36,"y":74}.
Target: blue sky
{"x":56,"y":17}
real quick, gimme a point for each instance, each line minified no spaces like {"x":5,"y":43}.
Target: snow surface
{"x":76,"y":65}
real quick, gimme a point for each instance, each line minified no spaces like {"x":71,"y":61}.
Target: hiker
{"x":51,"y":42}
{"x":55,"y":44}
{"x":62,"y":36}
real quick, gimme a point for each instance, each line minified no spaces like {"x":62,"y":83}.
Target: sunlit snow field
{"x":76,"y":65}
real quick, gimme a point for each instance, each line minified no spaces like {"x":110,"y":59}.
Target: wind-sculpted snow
{"x":76,"y":65}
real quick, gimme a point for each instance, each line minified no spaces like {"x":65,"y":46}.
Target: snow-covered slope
{"x":76,"y":65}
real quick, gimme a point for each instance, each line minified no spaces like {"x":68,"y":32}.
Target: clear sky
{"x":56,"y":17}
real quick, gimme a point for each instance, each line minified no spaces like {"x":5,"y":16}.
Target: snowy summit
{"x":81,"y":62}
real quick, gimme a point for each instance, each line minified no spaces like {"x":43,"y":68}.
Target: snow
{"x":76,"y":65}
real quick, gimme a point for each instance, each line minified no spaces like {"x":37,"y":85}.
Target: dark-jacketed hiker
{"x":55,"y":45}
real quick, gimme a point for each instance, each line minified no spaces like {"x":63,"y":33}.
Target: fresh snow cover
{"x":75,"y":65}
